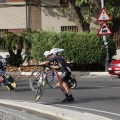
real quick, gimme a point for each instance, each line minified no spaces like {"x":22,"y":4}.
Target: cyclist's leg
{"x":59,"y":82}
{"x":62,"y":84}
{"x":68,"y":93}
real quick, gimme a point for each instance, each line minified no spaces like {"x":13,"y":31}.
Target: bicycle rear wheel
{"x":34,"y":79}
{"x":13,"y":84}
{"x":39,"y":90}
{"x":72,"y":82}
{"x":51,"y":81}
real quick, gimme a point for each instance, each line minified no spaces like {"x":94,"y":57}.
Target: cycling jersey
{"x":62,"y":67}
{"x":2,"y":62}
{"x":59,"y":60}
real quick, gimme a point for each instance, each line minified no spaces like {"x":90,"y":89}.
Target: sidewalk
{"x":58,"y":113}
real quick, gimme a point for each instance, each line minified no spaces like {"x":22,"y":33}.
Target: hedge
{"x":80,"y":48}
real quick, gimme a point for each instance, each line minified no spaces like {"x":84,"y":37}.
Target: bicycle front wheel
{"x":13,"y":84}
{"x":39,"y":90}
{"x":35,"y":75}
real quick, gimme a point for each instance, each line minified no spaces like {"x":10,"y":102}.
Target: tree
{"x":16,"y":43}
{"x":83,"y":21}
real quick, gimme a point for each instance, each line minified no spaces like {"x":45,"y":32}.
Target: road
{"x":98,"y":95}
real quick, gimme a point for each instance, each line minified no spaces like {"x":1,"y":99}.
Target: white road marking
{"x":102,"y":86}
{"x":83,"y":108}
{"x":94,"y":110}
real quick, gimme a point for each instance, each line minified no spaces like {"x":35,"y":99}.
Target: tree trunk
{"x":12,"y":54}
{"x":116,"y":24}
{"x":77,"y":16}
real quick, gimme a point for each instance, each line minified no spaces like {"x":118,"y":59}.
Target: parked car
{"x":114,"y":67}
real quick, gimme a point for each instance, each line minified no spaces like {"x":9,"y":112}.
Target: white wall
{"x":52,"y":19}
{"x":13,"y":17}
{"x":3,"y":54}
{"x":118,"y":54}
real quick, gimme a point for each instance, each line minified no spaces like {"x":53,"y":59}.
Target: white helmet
{"x":56,"y":50}
{"x":46,"y":53}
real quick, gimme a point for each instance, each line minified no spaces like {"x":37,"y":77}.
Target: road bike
{"x":12,"y":85}
{"x":51,"y":79}
{"x":39,"y":78}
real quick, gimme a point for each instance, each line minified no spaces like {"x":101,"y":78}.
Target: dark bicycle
{"x":11,"y":81}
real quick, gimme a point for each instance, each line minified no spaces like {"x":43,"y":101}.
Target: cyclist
{"x":3,"y":65}
{"x":62,"y":67}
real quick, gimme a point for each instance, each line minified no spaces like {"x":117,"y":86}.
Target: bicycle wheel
{"x":72,"y":83}
{"x":51,"y":81}
{"x":39,"y":90}
{"x":34,"y":79}
{"x":13,"y":84}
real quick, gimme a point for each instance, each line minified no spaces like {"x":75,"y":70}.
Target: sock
{"x":66,"y":95}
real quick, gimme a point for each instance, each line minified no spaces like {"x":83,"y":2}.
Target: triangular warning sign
{"x":103,"y":16}
{"x":104,"y":30}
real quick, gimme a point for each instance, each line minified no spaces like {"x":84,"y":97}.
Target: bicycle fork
{"x":41,"y":79}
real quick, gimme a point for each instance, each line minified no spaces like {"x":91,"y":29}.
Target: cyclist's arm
{"x":44,"y":63}
{"x":54,"y":66}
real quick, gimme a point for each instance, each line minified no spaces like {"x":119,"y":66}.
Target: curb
{"x":53,"y":111}
{"x":76,"y":73}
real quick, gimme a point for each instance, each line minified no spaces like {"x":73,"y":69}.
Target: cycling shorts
{"x":64,"y":77}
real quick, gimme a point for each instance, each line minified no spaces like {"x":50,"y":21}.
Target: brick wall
{"x":35,"y":8}
{"x":35,"y":17}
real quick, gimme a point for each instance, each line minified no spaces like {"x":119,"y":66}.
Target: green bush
{"x":80,"y":48}
{"x":83,"y":48}
{"x":111,"y":47}
{"x":42,"y":41}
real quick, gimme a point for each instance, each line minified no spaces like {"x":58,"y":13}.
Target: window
{"x":69,"y":28}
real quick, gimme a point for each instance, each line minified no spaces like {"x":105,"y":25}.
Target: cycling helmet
{"x":46,"y":53}
{"x":56,"y":50}
{"x":60,"y":50}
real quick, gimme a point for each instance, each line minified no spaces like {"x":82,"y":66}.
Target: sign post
{"x":104,"y":39}
{"x":104,"y":30}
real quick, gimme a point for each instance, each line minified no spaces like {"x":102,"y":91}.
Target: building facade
{"x":24,"y":15}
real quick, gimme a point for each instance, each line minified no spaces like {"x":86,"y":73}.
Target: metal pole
{"x":105,"y":42}
{"x":102,"y":3}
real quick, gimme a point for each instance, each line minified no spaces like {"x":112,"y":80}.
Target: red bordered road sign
{"x":103,"y":16}
{"x":104,"y":30}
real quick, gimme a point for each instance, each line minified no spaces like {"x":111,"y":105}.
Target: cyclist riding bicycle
{"x":62,"y":67}
{"x":3,"y":65}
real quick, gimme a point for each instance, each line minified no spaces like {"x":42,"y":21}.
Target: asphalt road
{"x":94,"y":94}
